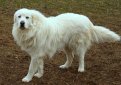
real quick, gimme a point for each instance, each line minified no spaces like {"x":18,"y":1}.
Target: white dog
{"x":42,"y":36}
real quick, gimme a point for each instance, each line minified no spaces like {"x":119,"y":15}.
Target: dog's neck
{"x":26,"y":38}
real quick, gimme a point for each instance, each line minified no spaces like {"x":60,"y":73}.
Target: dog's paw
{"x":38,"y":75}
{"x":63,"y":66}
{"x":26,"y":79}
{"x":81,"y":70}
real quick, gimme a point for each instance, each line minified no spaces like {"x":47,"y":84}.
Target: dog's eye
{"x":27,"y":17}
{"x":19,"y":16}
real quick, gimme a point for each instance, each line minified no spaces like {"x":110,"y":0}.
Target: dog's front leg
{"x":32,"y":69}
{"x":40,"y":62}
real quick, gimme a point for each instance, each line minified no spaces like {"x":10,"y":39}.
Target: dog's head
{"x":27,"y":19}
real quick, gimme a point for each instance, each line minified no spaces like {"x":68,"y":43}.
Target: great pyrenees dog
{"x":42,"y":36}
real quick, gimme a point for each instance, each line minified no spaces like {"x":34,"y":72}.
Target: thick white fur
{"x":44,"y":36}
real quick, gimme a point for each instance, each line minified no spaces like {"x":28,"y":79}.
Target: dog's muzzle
{"x":22,"y":25}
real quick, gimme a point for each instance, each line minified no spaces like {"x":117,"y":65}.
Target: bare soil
{"x":102,"y":61}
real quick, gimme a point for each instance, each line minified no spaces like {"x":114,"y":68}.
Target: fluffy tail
{"x":102,"y":34}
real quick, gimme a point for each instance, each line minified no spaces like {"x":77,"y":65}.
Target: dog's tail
{"x":102,"y":34}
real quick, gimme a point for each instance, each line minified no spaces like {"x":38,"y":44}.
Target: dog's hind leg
{"x":69,"y":57}
{"x":81,"y":53}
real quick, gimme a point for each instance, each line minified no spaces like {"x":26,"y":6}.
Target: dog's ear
{"x":14,"y":18}
{"x":37,"y":18}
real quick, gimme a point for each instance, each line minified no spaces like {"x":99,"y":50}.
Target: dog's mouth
{"x":22,"y":28}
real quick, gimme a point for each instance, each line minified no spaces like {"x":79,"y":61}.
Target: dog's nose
{"x":22,"y":23}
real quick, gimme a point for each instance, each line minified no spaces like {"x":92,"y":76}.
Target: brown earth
{"x":103,"y":61}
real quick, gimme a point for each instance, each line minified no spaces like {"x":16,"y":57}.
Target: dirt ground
{"x":102,"y":61}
